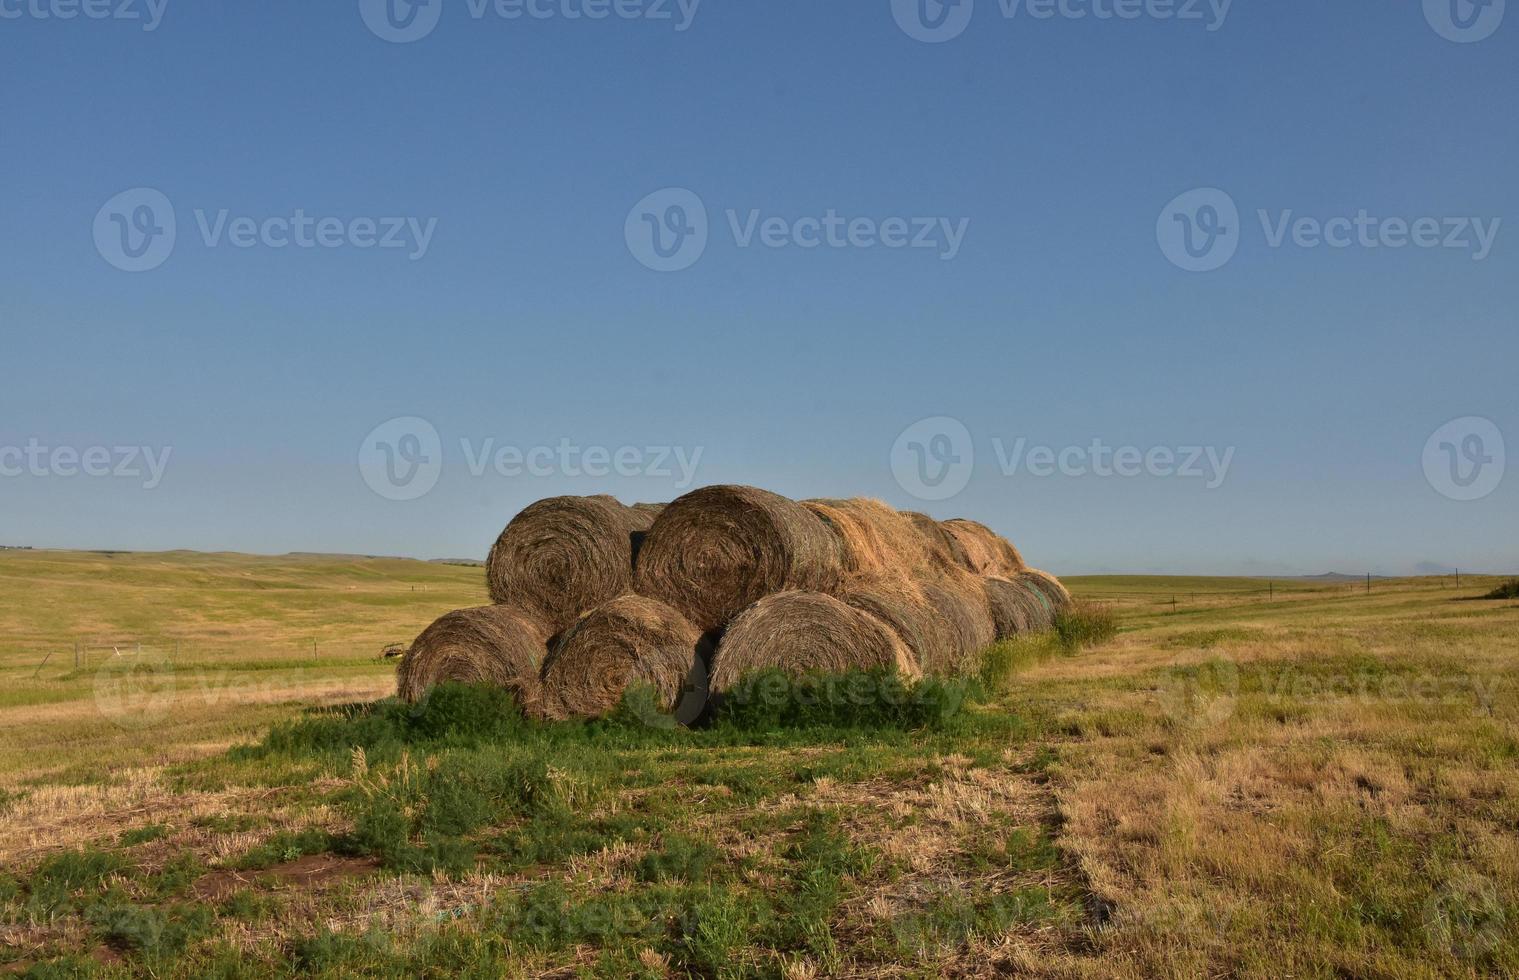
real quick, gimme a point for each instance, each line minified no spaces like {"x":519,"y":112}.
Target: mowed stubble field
{"x":1322,"y":782}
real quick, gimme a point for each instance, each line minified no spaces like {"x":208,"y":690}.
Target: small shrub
{"x":1508,"y":590}
{"x":1084,"y":624}
{"x":58,"y":879}
{"x":329,"y":952}
{"x":714,"y":928}
{"x":444,"y":802}
{"x":878,"y":699}
{"x":286,"y":846}
{"x":451,"y":714}
{"x":150,"y":932}
{"x":177,"y":875}
{"x":553,"y":839}
{"x":455,"y":805}
{"x":680,"y":858}
{"x":63,"y":968}
{"x":544,"y":917}
{"x":466,"y":713}
{"x":246,"y":905}
{"x":382,"y":829}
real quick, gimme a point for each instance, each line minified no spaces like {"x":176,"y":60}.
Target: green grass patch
{"x":142,"y":835}
{"x":1084,"y":623}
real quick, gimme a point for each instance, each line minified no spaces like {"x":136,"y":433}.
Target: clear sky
{"x":1049,"y":300}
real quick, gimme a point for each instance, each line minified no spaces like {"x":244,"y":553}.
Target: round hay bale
{"x":653,"y":510}
{"x":1016,"y":607}
{"x":806,"y":632}
{"x":499,"y":645}
{"x":944,"y":550}
{"x":716,"y":551}
{"x":986,"y":551}
{"x":874,"y":539}
{"x":1047,"y":585}
{"x":564,"y":555}
{"x":961,"y":600}
{"x":901,"y":604}
{"x":630,"y":639}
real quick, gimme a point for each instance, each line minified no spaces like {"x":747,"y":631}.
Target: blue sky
{"x":1052,"y":146}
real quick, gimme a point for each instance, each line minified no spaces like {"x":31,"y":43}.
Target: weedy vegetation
{"x":1312,"y":781}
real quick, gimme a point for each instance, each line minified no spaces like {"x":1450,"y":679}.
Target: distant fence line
{"x":90,"y":651}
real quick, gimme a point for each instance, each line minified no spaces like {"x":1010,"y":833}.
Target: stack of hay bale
{"x":591,"y":595}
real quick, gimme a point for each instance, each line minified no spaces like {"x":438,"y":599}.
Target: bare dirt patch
{"x":314,"y":872}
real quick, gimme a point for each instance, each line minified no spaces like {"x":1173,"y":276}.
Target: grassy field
{"x":1296,"y":779}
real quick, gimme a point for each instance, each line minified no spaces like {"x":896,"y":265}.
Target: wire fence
{"x":1270,"y":591}
{"x":65,"y":657}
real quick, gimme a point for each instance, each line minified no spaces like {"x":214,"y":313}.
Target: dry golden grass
{"x":1318,"y":782}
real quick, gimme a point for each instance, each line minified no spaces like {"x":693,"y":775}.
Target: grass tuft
{"x":1084,"y":624}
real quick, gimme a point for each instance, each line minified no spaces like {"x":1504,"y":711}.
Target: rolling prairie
{"x":1297,"y":778}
